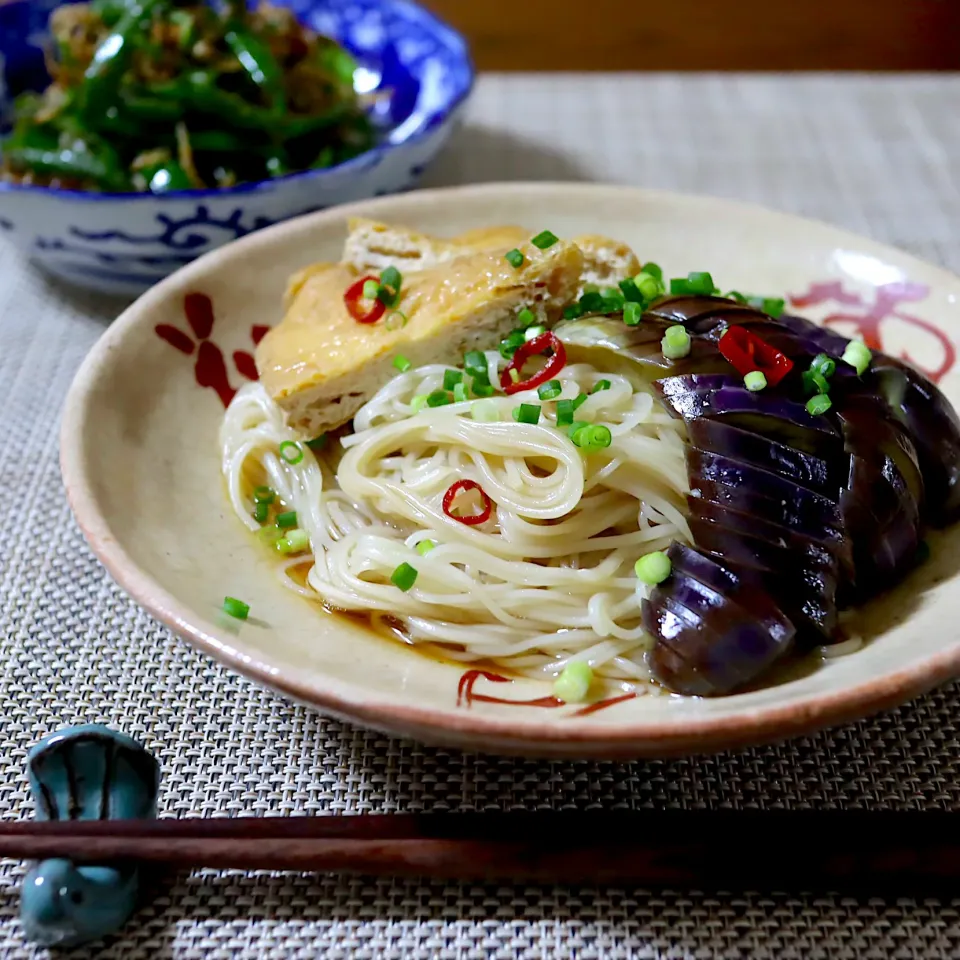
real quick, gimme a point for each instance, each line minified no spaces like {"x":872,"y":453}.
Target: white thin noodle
{"x":548,"y":579}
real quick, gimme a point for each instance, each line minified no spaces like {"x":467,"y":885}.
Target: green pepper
{"x":218,"y":141}
{"x":110,"y":59}
{"x":142,"y":106}
{"x":166,"y":177}
{"x":187,"y":24}
{"x":70,"y":163}
{"x":198,"y":91}
{"x":259,"y":63}
{"x":109,"y":11}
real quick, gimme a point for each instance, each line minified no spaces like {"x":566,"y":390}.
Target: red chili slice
{"x":471,"y":520}
{"x":353,"y":297}
{"x":748,"y":352}
{"x":534,"y":348}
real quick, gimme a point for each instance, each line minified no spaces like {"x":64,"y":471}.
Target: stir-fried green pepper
{"x":167,"y":95}
{"x":102,"y":78}
{"x":261,"y":66}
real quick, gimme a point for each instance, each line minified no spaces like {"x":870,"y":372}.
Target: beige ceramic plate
{"x":141,"y":466}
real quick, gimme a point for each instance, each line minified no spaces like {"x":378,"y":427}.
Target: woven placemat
{"x":875,"y":155}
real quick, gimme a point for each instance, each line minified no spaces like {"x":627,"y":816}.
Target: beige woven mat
{"x":879,"y":156}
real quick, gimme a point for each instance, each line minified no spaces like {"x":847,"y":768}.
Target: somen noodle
{"x":547,"y":578}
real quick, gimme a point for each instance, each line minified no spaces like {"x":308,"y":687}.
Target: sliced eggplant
{"x":713,"y":632}
{"x":806,"y":469}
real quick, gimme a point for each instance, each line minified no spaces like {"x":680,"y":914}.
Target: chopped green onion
{"x":261,"y":511}
{"x":772,"y":306}
{"x":578,"y":401}
{"x":823,"y":365}
{"x":630,"y":291}
{"x":296,"y":541}
{"x":814,"y":382}
{"x":544,"y":239}
{"x":451,"y":378}
{"x":649,"y":286}
{"x":236,"y":608}
{"x":573,"y":312}
{"x":508,"y":347}
{"x":514,"y":258}
{"x":318,"y":443}
{"x":858,"y":356}
{"x":736,"y":295}
{"x":270,"y":535}
{"x":680,"y":286}
{"x":525,"y":318}
{"x":702,"y":283}
{"x":819,"y":404}
{"x":291,"y":452}
{"x":475,"y":363}
{"x":425,"y":546}
{"x":402,"y":363}
{"x":370,"y":290}
{"x":677,"y":334}
{"x":439,"y":398}
{"x":676,"y":343}
{"x":577,"y":432}
{"x":549,"y":390}
{"x":459,"y":392}
{"x":601,"y":385}
{"x":389,"y":291}
{"x":527,"y":413}
{"x":396,"y":320}
{"x":565,"y":410}
{"x":574,"y":681}
{"x":514,"y":374}
{"x":287,"y":520}
{"x":590,"y":288}
{"x":632,"y":313}
{"x":755,"y":380}
{"x":591,"y":301}
{"x":655,"y":271}
{"x":653,"y":568}
{"x":264,"y":495}
{"x":595,"y":437}
{"x":482,"y":387}
{"x":531,"y":333}
{"x":485,"y":411}
{"x":418,"y":402}
{"x":404,"y":576}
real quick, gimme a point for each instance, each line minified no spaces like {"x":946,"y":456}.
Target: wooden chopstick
{"x":880,"y":851}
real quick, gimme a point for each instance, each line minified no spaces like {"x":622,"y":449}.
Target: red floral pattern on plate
{"x":873,"y":321}
{"x":210,"y":368}
{"x":466,"y":696}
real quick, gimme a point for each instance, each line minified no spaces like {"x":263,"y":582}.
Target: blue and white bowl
{"x":124,"y":243}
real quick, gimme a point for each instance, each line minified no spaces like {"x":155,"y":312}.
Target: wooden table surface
{"x":709,"y":34}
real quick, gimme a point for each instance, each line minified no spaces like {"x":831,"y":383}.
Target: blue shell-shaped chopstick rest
{"x":87,"y":772}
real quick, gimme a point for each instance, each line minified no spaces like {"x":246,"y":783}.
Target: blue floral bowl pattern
{"x":124,"y":243}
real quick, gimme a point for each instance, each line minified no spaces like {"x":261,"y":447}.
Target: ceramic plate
{"x":141,"y":465}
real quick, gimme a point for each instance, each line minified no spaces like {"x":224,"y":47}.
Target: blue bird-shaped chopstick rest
{"x":86,"y":772}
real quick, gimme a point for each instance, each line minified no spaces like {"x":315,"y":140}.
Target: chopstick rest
{"x":87,"y":772}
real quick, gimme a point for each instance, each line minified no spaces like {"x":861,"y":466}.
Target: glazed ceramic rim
{"x":647,"y":737}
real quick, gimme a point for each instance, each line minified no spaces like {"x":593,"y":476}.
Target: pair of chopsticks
{"x":901,"y":852}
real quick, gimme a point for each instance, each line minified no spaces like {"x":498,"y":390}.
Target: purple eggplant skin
{"x":926,"y":414}
{"x":933,"y":426}
{"x":804,"y":588}
{"x":825,"y":476}
{"x":713,"y":632}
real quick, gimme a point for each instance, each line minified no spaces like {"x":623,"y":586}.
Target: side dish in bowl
{"x":540,"y":457}
{"x":143,"y":134}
